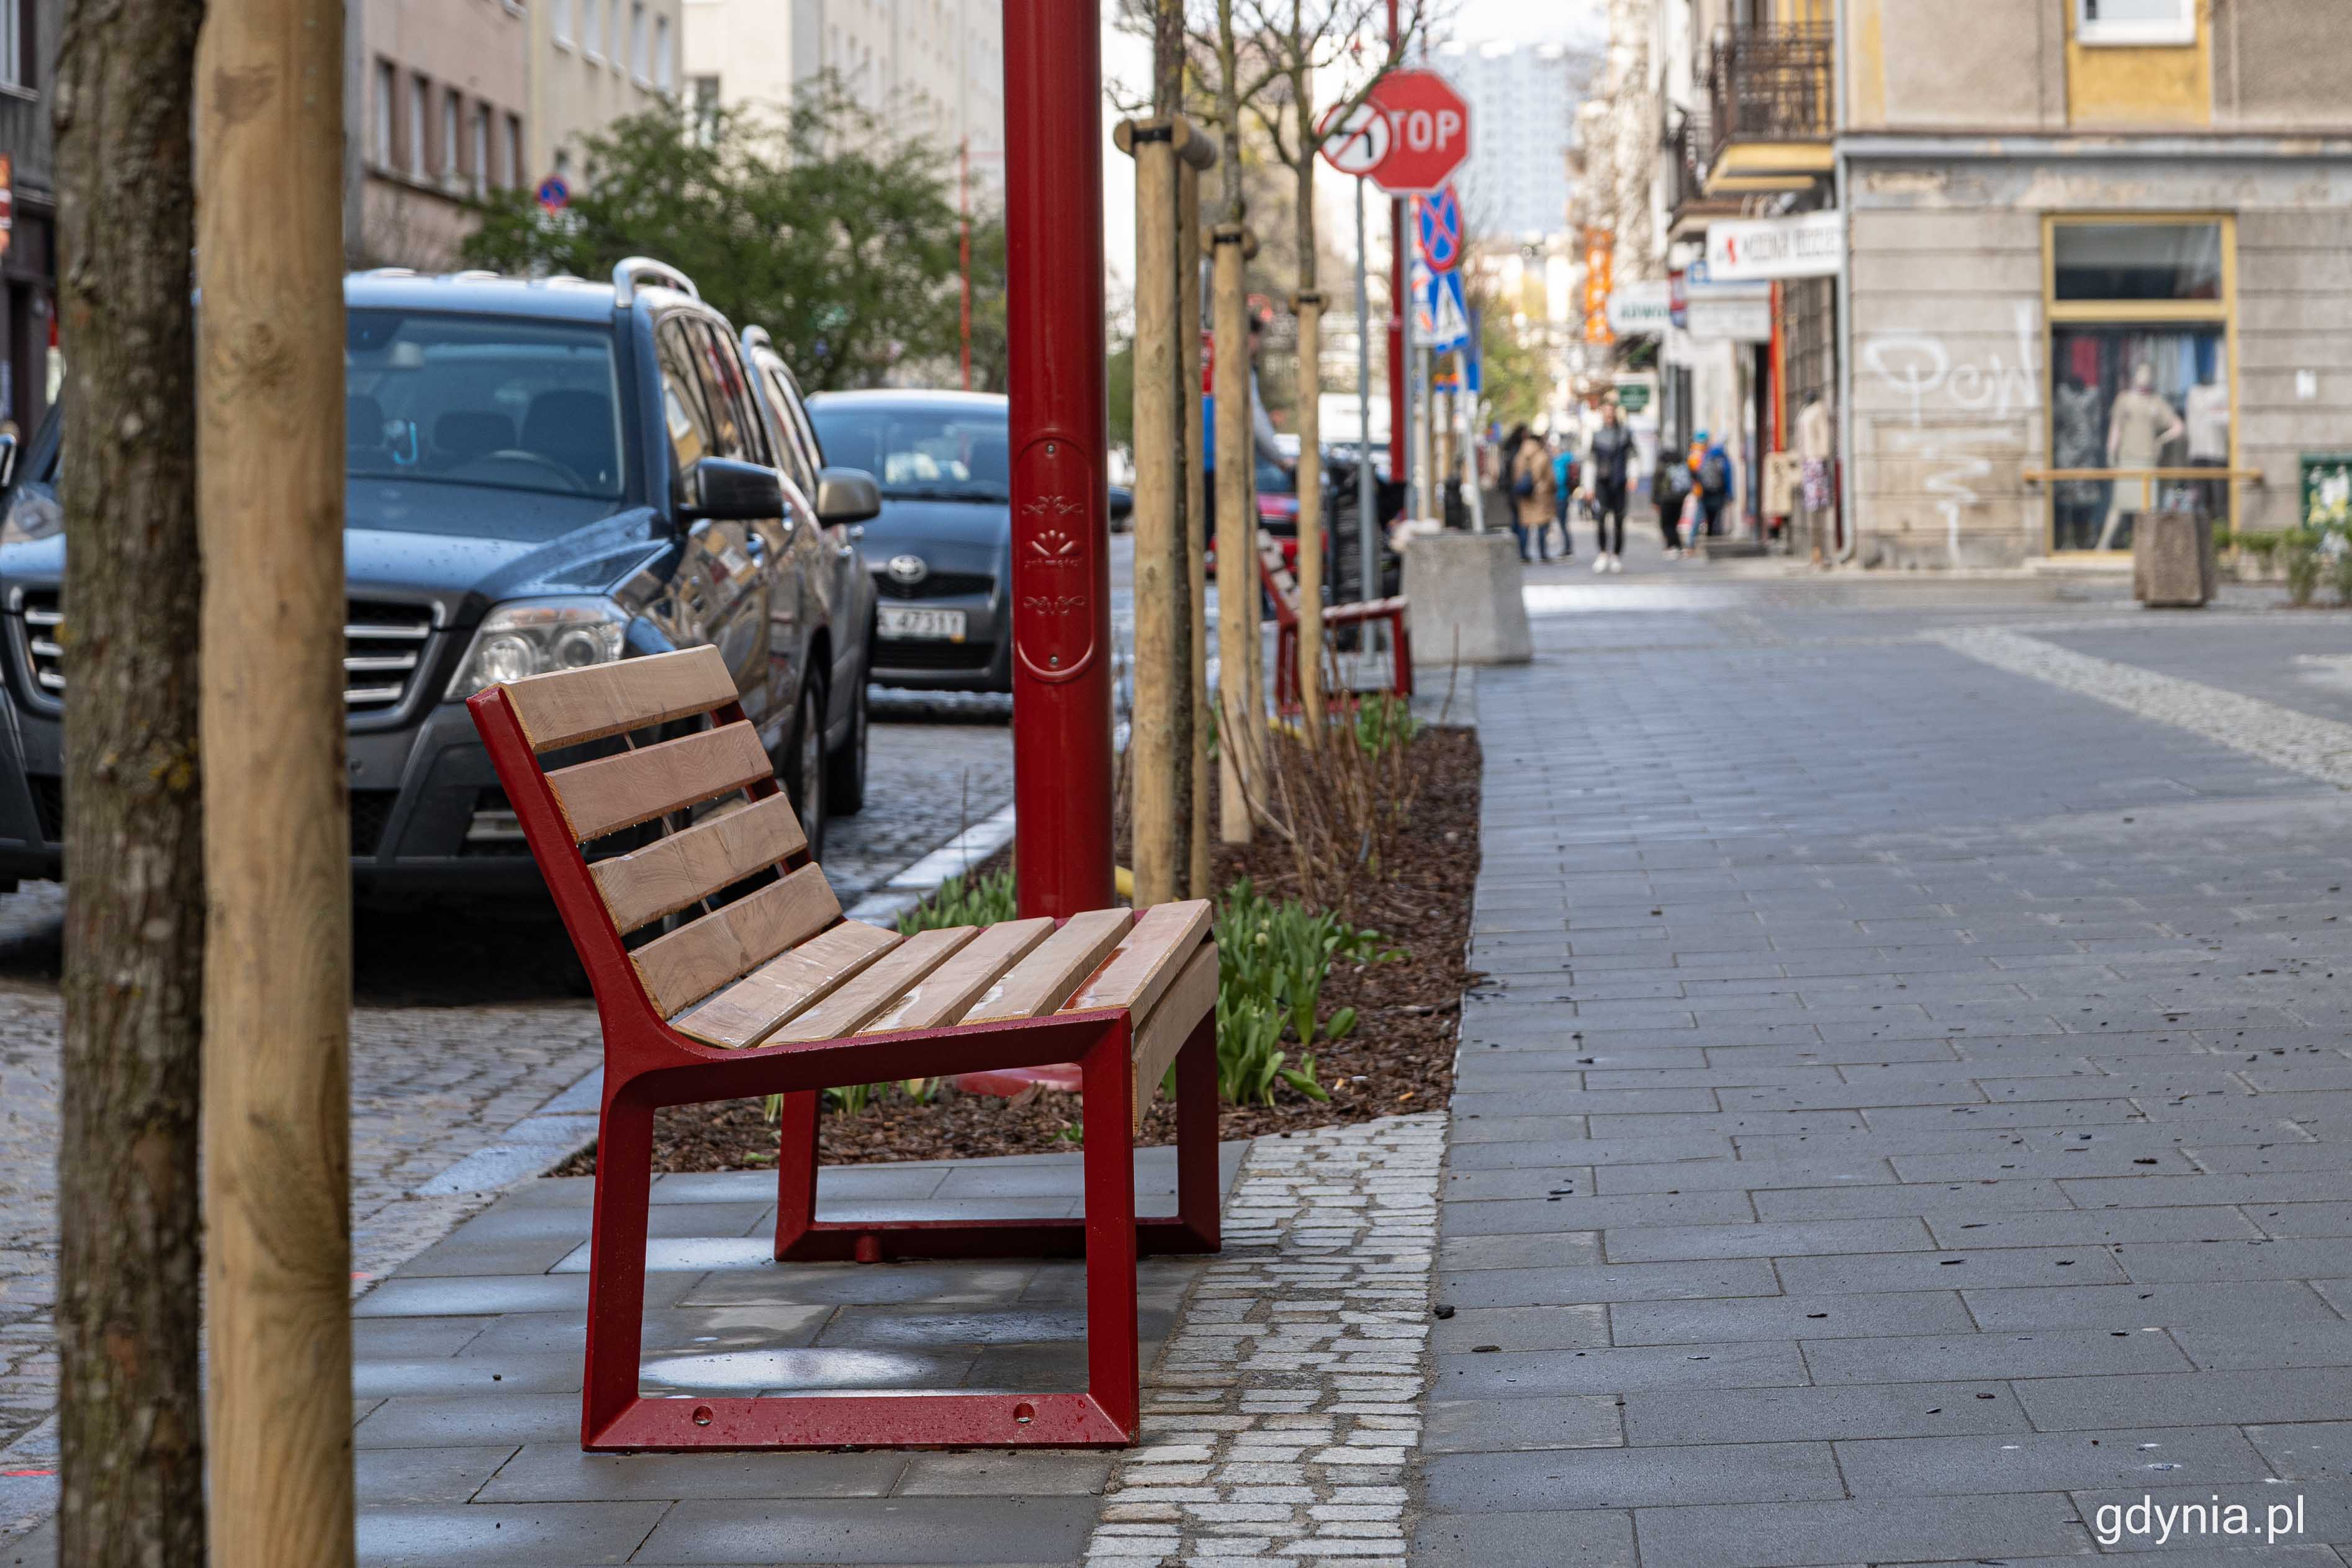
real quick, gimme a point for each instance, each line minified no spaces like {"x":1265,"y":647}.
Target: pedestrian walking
{"x":1714,"y":481}
{"x":1607,"y":474}
{"x":1530,"y":495}
{"x":1563,"y":491}
{"x":1667,"y":488}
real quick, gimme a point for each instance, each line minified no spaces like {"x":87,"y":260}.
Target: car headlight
{"x":539,"y":637}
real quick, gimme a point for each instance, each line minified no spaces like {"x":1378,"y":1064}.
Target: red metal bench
{"x":1283,"y":589}
{"x":773,"y":991}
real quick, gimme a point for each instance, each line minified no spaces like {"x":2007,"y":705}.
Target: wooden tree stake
{"x":277,"y":995}
{"x":1310,"y":512}
{"x":1161,"y":686}
{"x":1237,"y":590}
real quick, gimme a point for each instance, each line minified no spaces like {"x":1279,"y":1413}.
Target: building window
{"x":515,"y":175}
{"x":613,"y":33}
{"x":703,"y":91}
{"x":2136,"y":21}
{"x":449,"y":136}
{"x":2141,"y":374}
{"x":664,"y":69}
{"x":641,"y":64}
{"x":480,"y":171}
{"x":15,"y":49}
{"x":387,"y":87}
{"x":592,"y":29}
{"x":560,"y":20}
{"x":420,"y":115}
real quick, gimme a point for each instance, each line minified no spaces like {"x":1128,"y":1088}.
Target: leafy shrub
{"x":2302,"y":566}
{"x":964,"y":902}
{"x":1271,"y":960}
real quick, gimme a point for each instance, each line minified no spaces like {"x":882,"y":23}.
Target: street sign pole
{"x":1399,"y":415}
{"x":1368,"y":510}
{"x":1061,"y":566}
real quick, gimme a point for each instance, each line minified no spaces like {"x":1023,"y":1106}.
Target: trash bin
{"x":2172,"y":559}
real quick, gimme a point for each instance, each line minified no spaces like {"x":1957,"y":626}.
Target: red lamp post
{"x":1060,"y":590}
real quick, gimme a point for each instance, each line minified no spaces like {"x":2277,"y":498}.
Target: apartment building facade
{"x":2046,"y":264}
{"x":29,"y":365}
{"x":439,"y":111}
{"x":935,"y":67}
{"x":447,"y":100}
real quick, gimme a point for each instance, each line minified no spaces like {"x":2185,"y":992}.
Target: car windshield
{"x":500,"y":401}
{"x":913,"y":451}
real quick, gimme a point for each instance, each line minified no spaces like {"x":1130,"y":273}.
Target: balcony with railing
{"x":1773,"y":93}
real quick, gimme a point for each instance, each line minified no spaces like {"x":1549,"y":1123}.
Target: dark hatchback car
{"x":941,"y":550}
{"x":542,"y":475}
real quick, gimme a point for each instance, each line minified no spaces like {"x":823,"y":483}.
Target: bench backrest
{"x":1279,"y":583}
{"x":563,"y":809}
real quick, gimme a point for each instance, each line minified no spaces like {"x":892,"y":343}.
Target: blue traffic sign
{"x":1446,"y":319}
{"x":1440,"y":216}
{"x":554,"y":192}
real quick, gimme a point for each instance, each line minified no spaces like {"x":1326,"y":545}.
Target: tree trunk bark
{"x":1195,"y":518}
{"x":1237,"y":590}
{"x":277,"y":990}
{"x":130,"y":1411}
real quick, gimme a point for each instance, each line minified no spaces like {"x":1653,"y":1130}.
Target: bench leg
{"x":616,"y":1266}
{"x":796,"y":1168}
{"x":1197,"y":1209}
{"x":1402,"y":643}
{"x":1114,"y":1373}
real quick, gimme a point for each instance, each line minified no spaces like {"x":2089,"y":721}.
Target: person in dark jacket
{"x":1607,"y":471}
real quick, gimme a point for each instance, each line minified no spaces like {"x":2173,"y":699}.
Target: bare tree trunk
{"x":1310,"y":393}
{"x":277,"y":980}
{"x":1167,"y":59}
{"x":130,"y":1411}
{"x":1194,"y":518}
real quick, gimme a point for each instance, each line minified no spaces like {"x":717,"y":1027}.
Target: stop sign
{"x":1429,"y":131}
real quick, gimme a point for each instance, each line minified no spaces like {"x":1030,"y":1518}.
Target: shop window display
{"x":2139,"y":375}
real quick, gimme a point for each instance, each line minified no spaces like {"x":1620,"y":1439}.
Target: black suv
{"x":542,"y":473}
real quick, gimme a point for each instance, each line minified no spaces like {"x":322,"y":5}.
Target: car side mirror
{"x":846,"y":495}
{"x":726,"y":490}
{"x":1122,"y":503}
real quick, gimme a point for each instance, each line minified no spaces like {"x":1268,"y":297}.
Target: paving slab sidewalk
{"x":467,"y":1370}
{"x":1906,"y":1120}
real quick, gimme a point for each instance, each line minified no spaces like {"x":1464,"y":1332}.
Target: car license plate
{"x":942,"y":625}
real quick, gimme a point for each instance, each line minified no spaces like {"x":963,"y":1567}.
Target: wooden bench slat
{"x":1164,"y":1030}
{"x":942,"y":996}
{"x":1063,"y":961}
{"x":612,"y":792}
{"x":671,"y":873}
{"x":862,"y":997}
{"x":1154,"y":954}
{"x":689,"y":963}
{"x":575,"y":705}
{"x":754,"y":1007}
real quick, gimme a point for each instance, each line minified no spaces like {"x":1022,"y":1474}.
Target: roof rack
{"x":627,"y":271}
{"x":475,"y":275}
{"x":391,"y":272}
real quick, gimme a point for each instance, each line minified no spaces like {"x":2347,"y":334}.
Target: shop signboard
{"x":1633,"y":394}
{"x":1772,"y":250}
{"x":1730,"y":313}
{"x":1640,"y":309}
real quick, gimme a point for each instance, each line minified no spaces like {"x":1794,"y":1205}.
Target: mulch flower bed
{"x":1401,"y":1057}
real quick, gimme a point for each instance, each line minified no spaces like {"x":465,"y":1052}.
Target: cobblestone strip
{"x":2319,"y":748}
{"x":1280,"y":1423}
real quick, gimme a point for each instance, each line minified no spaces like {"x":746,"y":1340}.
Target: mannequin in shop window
{"x":2208,"y":419}
{"x":2076,"y":443}
{"x":2141,"y":425}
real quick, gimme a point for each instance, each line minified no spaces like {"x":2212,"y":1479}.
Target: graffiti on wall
{"x":1959,"y":414}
